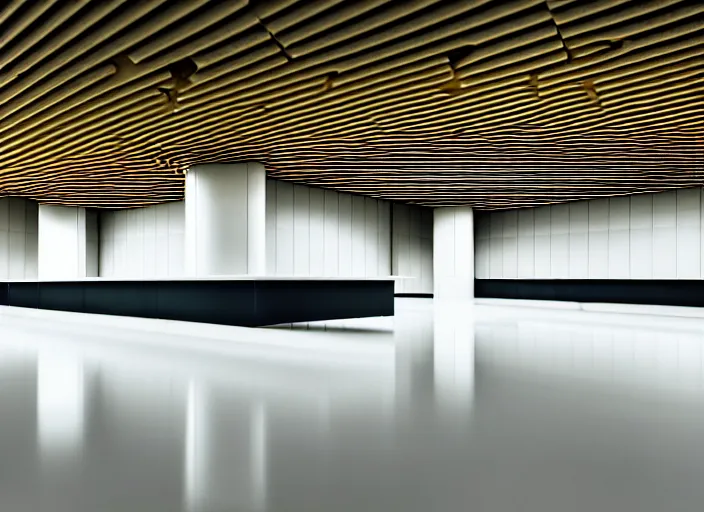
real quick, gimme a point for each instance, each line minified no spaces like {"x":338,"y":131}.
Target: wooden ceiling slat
{"x":490,"y":103}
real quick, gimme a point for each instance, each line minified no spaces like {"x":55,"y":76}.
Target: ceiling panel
{"x":489,"y":103}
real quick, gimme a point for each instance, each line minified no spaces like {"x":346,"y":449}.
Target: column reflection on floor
{"x":61,"y":414}
{"x":19,"y":466}
{"x":225,"y":450}
{"x":60,"y":404}
{"x":435,"y":355}
{"x":454,"y":357}
{"x":413,"y":342}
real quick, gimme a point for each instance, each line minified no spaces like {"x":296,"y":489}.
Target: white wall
{"x":647,"y":236}
{"x":309,"y":232}
{"x":315,"y":232}
{"x":18,"y":238}
{"x":412,"y":248}
{"x":143,"y":242}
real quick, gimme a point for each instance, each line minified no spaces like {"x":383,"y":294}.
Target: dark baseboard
{"x":671,"y":292}
{"x":414,"y":295}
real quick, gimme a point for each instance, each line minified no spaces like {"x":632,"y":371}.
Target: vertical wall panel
{"x":526,"y":243}
{"x":542,"y":242}
{"x":106,"y":253}
{"x":619,"y":237}
{"x":559,"y":241}
{"x":510,"y":244}
{"x":358,"y":238}
{"x":16,"y":216}
{"x":5,"y":252}
{"x":426,"y":246}
{"x":345,"y":234}
{"x":17,"y":228}
{"x":135,"y":240}
{"x":579,"y":240}
{"x":401,"y":245}
{"x":331,"y":234}
{"x":384,"y":239}
{"x":482,"y":256}
{"x":256,"y":219}
{"x":688,"y":233}
{"x":415,"y":257}
{"x":317,"y":232}
{"x":150,"y":245}
{"x":177,"y":233}
{"x":301,"y":231}
{"x":162,"y":240}
{"x":121,"y":262}
{"x":176,"y":256}
{"x":701,"y":223}
{"x":371,"y":237}
{"x":599,"y":239}
{"x":17,"y":248}
{"x":5,"y":213}
{"x":18,"y":238}
{"x":641,"y":236}
{"x":284,"y":228}
{"x":31,"y":239}
{"x":665,"y":235}
{"x":271,"y":227}
{"x":412,"y":248}
{"x":496,"y":245}
{"x":31,"y":262}
{"x":93,"y":244}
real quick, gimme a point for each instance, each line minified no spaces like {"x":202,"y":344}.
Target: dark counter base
{"x":238,"y":302}
{"x":620,"y":291}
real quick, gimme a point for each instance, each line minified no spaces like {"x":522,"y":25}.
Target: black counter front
{"x":243,"y":302}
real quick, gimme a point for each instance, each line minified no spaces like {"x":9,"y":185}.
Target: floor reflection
{"x":454,"y":348}
{"x":450,"y":408}
{"x":60,"y":402}
{"x":225,"y":452}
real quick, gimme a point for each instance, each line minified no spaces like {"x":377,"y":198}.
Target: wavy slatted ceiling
{"x":492,"y":103}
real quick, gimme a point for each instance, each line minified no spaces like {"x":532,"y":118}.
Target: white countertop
{"x":209,"y":278}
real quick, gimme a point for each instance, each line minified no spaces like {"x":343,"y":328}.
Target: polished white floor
{"x":452,"y":408}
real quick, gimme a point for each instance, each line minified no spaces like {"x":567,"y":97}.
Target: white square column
{"x":67,"y":245}
{"x":453,"y":253}
{"x":226,"y":219}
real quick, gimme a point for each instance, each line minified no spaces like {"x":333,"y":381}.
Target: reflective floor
{"x":455,"y":409}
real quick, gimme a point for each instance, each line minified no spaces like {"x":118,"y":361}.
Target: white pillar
{"x":453,"y":253}
{"x":67,"y":245}
{"x":226,"y":219}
